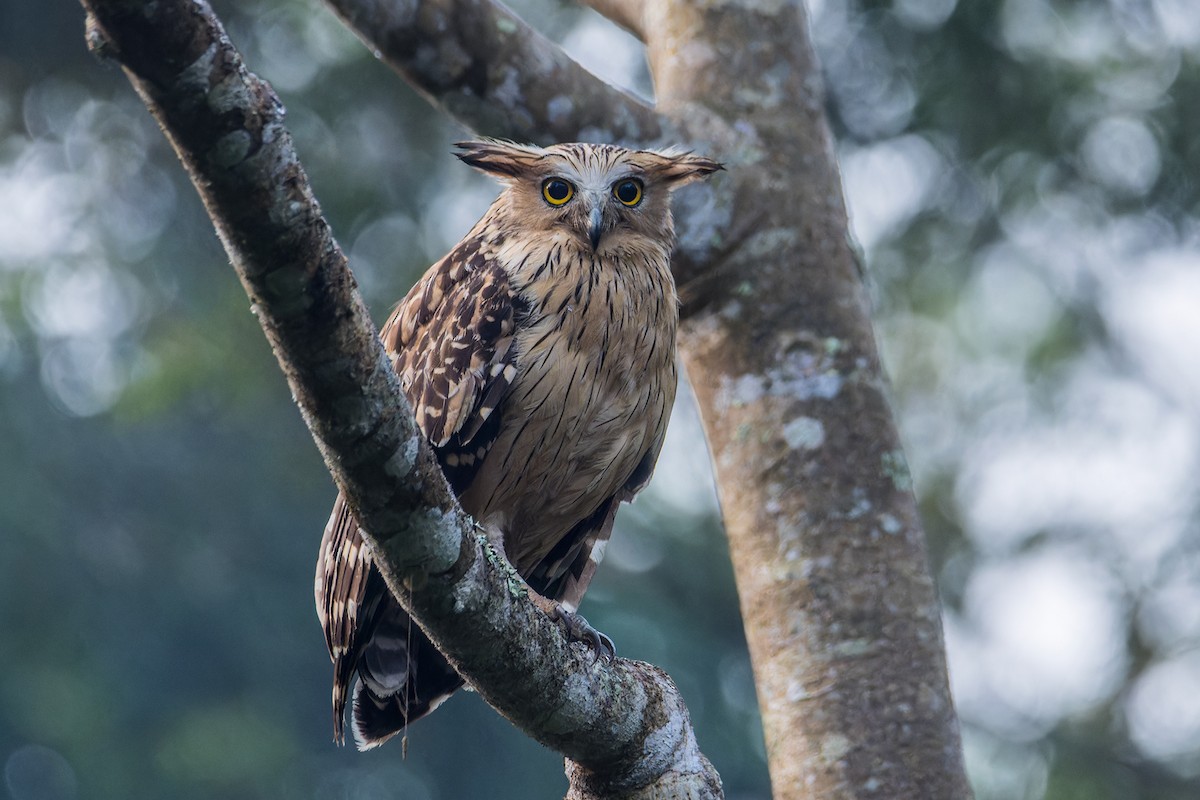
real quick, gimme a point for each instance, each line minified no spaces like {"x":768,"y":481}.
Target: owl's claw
{"x":579,"y":630}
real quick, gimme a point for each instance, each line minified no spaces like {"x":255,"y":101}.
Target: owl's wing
{"x":451,"y":342}
{"x":343,"y":582}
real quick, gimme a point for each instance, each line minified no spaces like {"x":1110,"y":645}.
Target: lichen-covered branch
{"x":487,"y":68}
{"x":622,"y":725}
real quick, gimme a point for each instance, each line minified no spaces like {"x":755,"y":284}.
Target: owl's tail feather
{"x":402,"y":677}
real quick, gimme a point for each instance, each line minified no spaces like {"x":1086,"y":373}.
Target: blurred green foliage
{"x":1022,"y":177}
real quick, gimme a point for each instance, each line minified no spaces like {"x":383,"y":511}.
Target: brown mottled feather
{"x":538,"y":358}
{"x":452,"y":373}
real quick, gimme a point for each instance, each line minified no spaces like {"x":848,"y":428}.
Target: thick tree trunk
{"x":841,"y":614}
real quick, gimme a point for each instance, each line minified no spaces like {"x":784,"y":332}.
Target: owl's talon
{"x":579,"y":630}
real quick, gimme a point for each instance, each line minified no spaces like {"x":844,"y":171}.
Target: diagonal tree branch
{"x":488,"y":69}
{"x":622,"y":726}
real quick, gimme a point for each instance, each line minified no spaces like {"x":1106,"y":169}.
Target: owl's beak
{"x":595,"y":220}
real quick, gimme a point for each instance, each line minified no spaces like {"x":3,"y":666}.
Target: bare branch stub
{"x":624,"y":724}
{"x":484,"y":66}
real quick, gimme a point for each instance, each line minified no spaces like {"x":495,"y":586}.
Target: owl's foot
{"x":578,"y":629}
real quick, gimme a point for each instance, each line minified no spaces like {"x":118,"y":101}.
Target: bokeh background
{"x":1022,"y":176}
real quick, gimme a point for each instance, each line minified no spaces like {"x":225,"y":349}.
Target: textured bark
{"x":484,"y":66}
{"x":622,"y":725}
{"x":840,"y":610}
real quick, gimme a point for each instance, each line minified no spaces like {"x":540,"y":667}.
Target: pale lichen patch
{"x":561,"y":720}
{"x":890,"y":524}
{"x":768,"y":91}
{"x":834,"y":747}
{"x":559,"y":109}
{"x":862,"y":504}
{"x":852,"y":648}
{"x":896,"y":467}
{"x":738,"y":392}
{"x":773,"y":240}
{"x":804,"y":433}
{"x":790,"y":539}
{"x":401,"y":462}
{"x":666,"y":738}
{"x":804,"y":385}
{"x":507,"y":91}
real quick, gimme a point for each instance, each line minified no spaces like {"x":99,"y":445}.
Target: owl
{"x":539,"y":360}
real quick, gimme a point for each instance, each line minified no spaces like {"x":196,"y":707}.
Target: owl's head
{"x":599,"y":193}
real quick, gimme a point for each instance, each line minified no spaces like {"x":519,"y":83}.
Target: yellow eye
{"x":557,"y":191}
{"x":628,"y":191}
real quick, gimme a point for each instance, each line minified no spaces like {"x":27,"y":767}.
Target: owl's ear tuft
{"x":501,"y":159}
{"x":678,"y":168}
